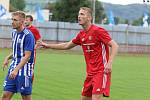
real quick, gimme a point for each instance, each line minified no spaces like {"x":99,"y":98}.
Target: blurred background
{"x":128,"y":23}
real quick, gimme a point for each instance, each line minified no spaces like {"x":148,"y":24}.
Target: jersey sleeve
{"x":36,"y":34}
{"x":77,"y":40}
{"x":29,"y":42}
{"x":104,"y":36}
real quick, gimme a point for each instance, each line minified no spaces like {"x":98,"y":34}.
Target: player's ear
{"x":89,"y":18}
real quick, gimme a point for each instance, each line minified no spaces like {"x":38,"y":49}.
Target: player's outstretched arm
{"x":60,"y":46}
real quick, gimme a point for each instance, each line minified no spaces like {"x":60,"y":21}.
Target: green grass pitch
{"x":60,"y":76}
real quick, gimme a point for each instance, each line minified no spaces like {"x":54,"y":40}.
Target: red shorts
{"x":97,"y":84}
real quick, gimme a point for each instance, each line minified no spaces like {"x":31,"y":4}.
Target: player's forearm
{"x":23,"y":61}
{"x":114,"y":50}
{"x":61,"y":46}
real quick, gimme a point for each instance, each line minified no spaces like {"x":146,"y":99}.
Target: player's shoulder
{"x":14,"y":31}
{"x":28,"y":34}
{"x":81,"y":32}
{"x":27,"y":31}
{"x":98,"y":28}
{"x":33,"y":27}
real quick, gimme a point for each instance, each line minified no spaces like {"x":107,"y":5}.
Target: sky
{"x":123,"y":2}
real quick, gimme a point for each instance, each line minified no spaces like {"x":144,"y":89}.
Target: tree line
{"x":67,"y":11}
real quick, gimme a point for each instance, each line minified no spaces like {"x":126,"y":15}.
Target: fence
{"x":130,"y":38}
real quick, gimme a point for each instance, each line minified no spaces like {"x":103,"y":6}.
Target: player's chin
{"x":80,"y":23}
{"x":13,"y":27}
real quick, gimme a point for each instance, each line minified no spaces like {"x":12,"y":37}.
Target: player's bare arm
{"x":6,"y":60}
{"x":114,"y":48}
{"x":20,"y":65}
{"x":60,"y":46}
{"x":36,"y":44}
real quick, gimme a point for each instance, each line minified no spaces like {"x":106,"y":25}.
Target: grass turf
{"x":60,"y":76}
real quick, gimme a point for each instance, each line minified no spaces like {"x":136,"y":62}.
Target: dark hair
{"x":29,"y":16}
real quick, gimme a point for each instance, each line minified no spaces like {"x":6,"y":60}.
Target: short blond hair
{"x":21,"y":14}
{"x":89,"y":10}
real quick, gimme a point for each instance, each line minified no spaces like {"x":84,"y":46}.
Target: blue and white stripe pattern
{"x":21,"y":42}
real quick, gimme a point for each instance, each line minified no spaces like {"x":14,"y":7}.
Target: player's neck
{"x":20,"y":29}
{"x":30,"y":25}
{"x":87,"y":26}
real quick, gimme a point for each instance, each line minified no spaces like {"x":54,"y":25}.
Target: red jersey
{"x":35,"y":32}
{"x":37,"y":36}
{"x":94,"y":43}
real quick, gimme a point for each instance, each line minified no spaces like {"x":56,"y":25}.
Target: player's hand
{"x":5,"y":64}
{"x":108,"y":67}
{"x":13,"y":74}
{"x":41,"y":43}
{"x":37,"y":45}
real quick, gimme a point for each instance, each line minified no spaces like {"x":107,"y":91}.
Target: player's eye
{"x":13,"y":19}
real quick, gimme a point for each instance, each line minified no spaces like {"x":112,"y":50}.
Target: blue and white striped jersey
{"x":21,"y":42}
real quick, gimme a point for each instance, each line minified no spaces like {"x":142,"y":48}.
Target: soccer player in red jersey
{"x":95,"y":42}
{"x":36,"y":34}
{"x":33,"y":29}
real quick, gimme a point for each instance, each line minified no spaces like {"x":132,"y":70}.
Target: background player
{"x":36,"y":34}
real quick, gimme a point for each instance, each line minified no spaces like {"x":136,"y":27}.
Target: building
{"x":31,"y":4}
{"x":5,"y":4}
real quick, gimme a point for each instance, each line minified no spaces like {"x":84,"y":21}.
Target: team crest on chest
{"x":90,"y":37}
{"x":83,"y":39}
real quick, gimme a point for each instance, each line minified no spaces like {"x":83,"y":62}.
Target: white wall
{"x":5,"y":3}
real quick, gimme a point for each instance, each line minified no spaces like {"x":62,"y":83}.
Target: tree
{"x":138,"y":22}
{"x":117,"y":19}
{"x":99,"y":12}
{"x":49,"y":6}
{"x":127,"y":21}
{"x":17,"y":5}
{"x":67,"y":10}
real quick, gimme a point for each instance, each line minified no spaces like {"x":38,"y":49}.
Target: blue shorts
{"x":21,"y":84}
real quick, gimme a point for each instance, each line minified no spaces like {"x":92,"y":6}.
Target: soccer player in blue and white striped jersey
{"x":19,"y":78}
